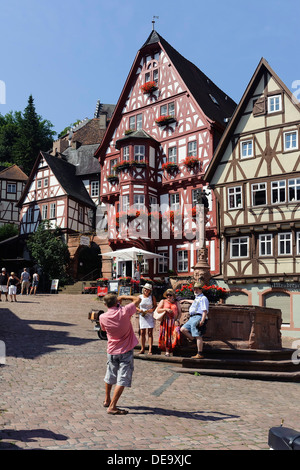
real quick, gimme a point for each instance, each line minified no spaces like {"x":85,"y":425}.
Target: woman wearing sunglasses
{"x":169,"y":333}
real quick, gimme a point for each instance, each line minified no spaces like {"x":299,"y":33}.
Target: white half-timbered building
{"x":56,"y":193}
{"x":12,"y":183}
{"x":255,"y":176}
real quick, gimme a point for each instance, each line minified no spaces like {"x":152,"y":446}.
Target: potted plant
{"x":165,"y":120}
{"x":149,"y":87}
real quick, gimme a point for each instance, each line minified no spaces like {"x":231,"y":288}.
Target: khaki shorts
{"x":119,"y":369}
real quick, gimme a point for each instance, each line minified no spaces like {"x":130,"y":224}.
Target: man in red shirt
{"x":121,"y":341}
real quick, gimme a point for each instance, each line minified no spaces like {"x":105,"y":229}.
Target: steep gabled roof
{"x":13,"y":173}
{"x":216,"y":105}
{"x":66,"y":175}
{"x":262,"y":67}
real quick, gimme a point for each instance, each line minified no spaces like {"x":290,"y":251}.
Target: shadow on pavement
{"x":199,"y":415}
{"x":31,"y":435}
{"x":21,"y":340}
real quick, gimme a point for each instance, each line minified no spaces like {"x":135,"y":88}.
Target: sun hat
{"x":198,"y":285}
{"x":148,"y":286}
{"x":3,"y":269}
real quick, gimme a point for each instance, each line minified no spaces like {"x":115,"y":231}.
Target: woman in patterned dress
{"x":169,"y":334}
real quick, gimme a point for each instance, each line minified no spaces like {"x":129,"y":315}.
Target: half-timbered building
{"x":255,"y":176}
{"x":161,"y":138}
{"x":64,"y":187}
{"x":12,"y":183}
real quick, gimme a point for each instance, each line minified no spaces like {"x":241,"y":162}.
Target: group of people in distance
{"x":122,"y":340}
{"x":9,"y":283}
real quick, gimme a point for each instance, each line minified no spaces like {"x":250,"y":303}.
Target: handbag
{"x":158,"y":316}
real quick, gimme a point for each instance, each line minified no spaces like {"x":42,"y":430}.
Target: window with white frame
{"x":152,"y":201}
{"x":235,"y":197}
{"x":44,"y":211}
{"x":139,"y":153}
{"x":172,"y":154}
{"x":239,"y":247}
{"x":294,"y":189}
{"x":145,"y":266}
{"x":192,"y":149}
{"x":94,"y":188}
{"x":46,"y":182}
{"x":136,"y":122}
{"x":29,"y":215}
{"x":125,"y":202}
{"x":274,"y":103}
{"x":163,"y":263}
{"x":266,"y":245}
{"x":39,"y":184}
{"x":298,"y":243}
{"x":247,"y":149}
{"x":195,"y":194}
{"x":11,"y":188}
{"x":174,"y":201}
{"x":168,"y":109}
{"x":278,"y":191}
{"x":290,"y":141}
{"x":259,"y":194}
{"x":139,"y":201}
{"x":126,"y":153}
{"x":52,"y":210}
{"x":112,"y":166}
{"x":182,"y":260}
{"x":285,"y":243}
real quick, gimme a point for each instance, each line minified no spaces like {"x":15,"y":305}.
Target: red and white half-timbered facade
{"x":158,"y":145}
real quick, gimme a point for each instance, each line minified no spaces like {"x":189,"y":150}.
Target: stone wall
{"x":235,"y":327}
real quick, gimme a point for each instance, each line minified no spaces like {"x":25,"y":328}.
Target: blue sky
{"x":68,"y":54}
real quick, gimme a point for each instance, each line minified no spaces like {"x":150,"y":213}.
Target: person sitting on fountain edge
{"x":195,"y":327}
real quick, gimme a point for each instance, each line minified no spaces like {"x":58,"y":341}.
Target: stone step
{"x":243,"y":374}
{"x":240,"y":364}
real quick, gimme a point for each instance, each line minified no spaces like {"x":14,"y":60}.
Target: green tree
{"x":34,"y":134}
{"x":8,"y":231}
{"x":49,"y":251}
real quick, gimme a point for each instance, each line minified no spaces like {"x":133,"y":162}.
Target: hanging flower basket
{"x":149,"y":87}
{"x":191,"y":162}
{"x":165,"y":120}
{"x":170,"y":167}
{"x":113,"y":179}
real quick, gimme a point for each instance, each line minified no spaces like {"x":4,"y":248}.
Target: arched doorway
{"x":88,"y":262}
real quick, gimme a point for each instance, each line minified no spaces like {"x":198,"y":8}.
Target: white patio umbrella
{"x":131,"y":254}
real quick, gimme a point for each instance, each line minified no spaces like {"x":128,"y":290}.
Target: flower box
{"x":165,"y":120}
{"x":213,"y":293}
{"x":170,"y":167}
{"x":113,"y":179}
{"x":149,"y":87}
{"x":138,"y":164}
{"x":128,"y":131}
{"x":191,"y":162}
{"x":123,"y":165}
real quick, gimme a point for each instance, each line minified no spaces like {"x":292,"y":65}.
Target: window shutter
{"x":260,"y":107}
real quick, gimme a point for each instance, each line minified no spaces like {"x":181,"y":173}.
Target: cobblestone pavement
{"x":51,"y":391}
